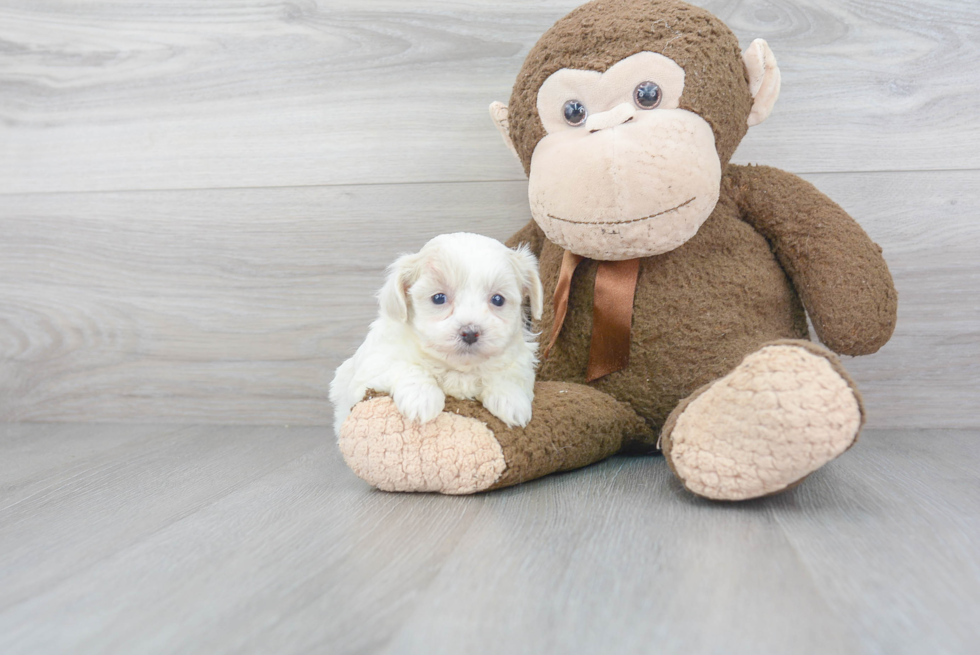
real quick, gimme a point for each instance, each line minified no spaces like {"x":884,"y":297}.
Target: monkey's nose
{"x":470,"y":334}
{"x":621,"y":113}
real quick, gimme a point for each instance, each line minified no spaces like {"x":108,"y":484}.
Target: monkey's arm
{"x":837,"y":270}
{"x":530,"y":234}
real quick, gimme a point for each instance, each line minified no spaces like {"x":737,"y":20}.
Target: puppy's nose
{"x":470,"y":334}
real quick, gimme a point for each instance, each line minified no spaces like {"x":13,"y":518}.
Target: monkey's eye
{"x":575,"y":113}
{"x":497,"y":300}
{"x":439,"y":298}
{"x":647,"y":95}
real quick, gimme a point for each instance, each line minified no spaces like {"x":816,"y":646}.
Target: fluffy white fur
{"x":416,"y":350}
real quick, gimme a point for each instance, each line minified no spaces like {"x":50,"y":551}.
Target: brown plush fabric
{"x":838,"y":271}
{"x":573,"y":426}
{"x":598,"y":34}
{"x":698,"y":311}
{"x":701,"y":308}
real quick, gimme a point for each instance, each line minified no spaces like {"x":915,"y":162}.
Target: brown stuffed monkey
{"x":679,"y":283}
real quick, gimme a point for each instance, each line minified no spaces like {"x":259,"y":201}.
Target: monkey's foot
{"x":467,"y":449}
{"x":781,"y":414}
{"x":451,"y":454}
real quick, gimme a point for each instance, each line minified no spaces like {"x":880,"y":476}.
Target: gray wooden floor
{"x":163,"y":539}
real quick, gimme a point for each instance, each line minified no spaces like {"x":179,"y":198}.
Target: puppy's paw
{"x":513,"y":406}
{"x":419,"y":402}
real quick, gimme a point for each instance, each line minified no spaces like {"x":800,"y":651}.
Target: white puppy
{"x":451,"y":322}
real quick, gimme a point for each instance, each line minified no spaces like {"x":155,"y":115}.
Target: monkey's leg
{"x":785,"y":411}
{"x":466,"y":449}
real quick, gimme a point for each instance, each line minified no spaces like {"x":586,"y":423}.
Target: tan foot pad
{"x":780,"y":415}
{"x":451,"y":454}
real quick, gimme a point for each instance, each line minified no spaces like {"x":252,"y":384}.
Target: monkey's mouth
{"x":631,"y":220}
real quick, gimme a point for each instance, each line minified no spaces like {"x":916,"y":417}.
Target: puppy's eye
{"x":647,"y":95}
{"x":575,"y":113}
{"x":439,"y":299}
{"x":497,"y":300}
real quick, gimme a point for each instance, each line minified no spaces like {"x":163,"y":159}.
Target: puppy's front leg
{"x":417,"y":396}
{"x":509,"y":401}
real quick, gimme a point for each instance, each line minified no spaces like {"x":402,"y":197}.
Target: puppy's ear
{"x":527,"y":270}
{"x":393,"y":297}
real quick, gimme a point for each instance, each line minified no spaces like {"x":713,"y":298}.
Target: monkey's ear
{"x":499,"y":114}
{"x":764,"y":79}
{"x":393,"y":297}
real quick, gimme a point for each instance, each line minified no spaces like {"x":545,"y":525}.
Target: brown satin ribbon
{"x":569,"y":262}
{"x":612,"y":312}
{"x":612,"y":317}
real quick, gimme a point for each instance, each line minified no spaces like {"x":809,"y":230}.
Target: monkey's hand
{"x":837,"y":270}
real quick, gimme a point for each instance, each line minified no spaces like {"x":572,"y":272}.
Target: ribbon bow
{"x":612,"y":312}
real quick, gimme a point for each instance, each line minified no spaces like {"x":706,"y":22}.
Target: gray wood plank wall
{"x":197,"y":200}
